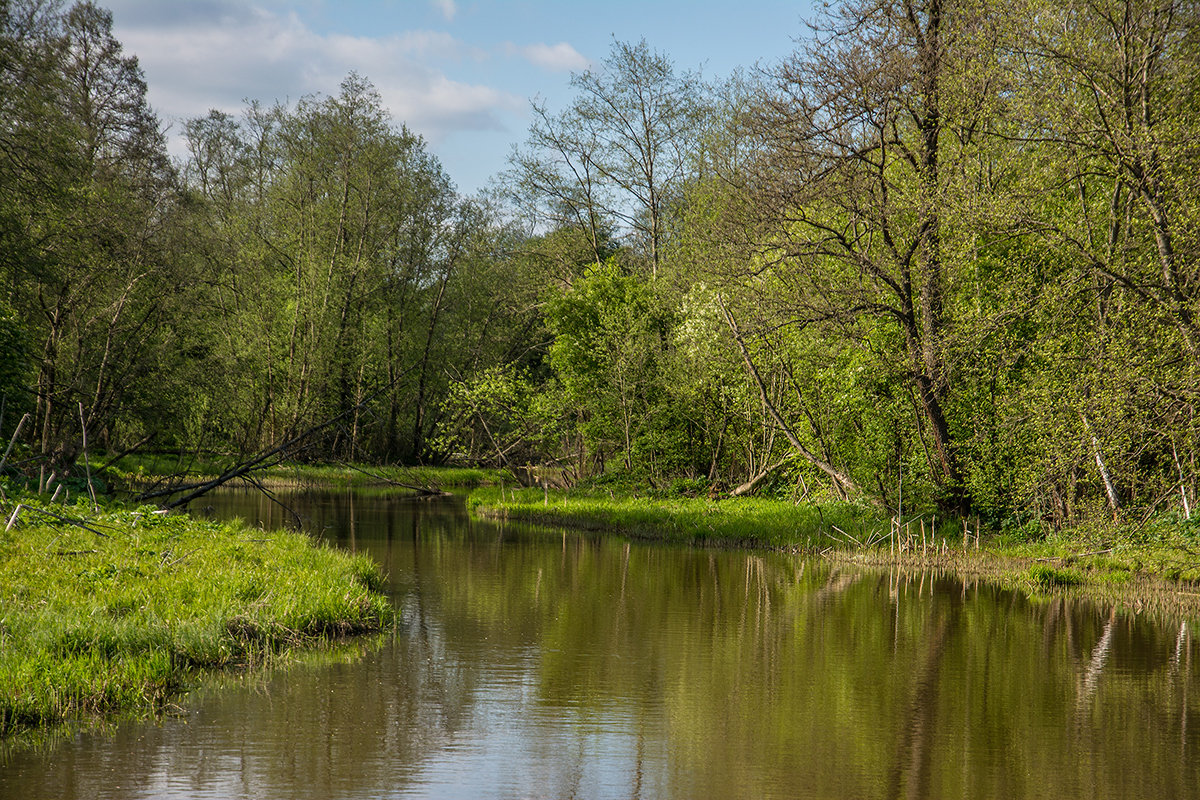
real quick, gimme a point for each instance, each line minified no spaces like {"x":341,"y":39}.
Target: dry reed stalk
{"x":13,"y":440}
{"x":86,"y":464}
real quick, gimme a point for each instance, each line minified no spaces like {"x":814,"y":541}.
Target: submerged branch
{"x":424,"y":491}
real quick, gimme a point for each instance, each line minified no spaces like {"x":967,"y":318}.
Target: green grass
{"x":366,"y":475}
{"x":1166,"y":546}
{"x":120,"y":618}
{"x":1044,"y":576}
{"x":736,"y":521}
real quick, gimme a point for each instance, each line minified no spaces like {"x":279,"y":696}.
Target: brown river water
{"x":536,"y":663}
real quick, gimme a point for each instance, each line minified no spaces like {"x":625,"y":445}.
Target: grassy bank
{"x":749,"y":522}
{"x":141,"y":470}
{"x":1125,"y":562}
{"x":120,"y":615}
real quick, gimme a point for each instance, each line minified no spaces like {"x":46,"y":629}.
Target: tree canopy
{"x":945,"y":252}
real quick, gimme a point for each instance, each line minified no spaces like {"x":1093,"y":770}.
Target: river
{"x":533,"y":663}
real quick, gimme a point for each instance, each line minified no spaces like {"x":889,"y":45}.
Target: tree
{"x":384,"y":289}
{"x":607,"y":346}
{"x":864,"y":139}
{"x":90,"y":194}
{"x":345,"y":221}
{"x":619,"y":155}
{"x":556,"y":176}
{"x":1131,"y":72}
{"x":1107,"y":120}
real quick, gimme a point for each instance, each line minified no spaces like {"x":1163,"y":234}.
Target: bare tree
{"x":618,"y":157}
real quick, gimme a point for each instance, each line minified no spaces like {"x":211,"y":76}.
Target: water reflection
{"x":541,"y":664}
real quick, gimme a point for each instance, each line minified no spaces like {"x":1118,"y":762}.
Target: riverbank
{"x":145,"y":471}
{"x":117,"y":611}
{"x":737,"y":522}
{"x":1152,"y":563}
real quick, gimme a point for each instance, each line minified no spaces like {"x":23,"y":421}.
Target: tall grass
{"x":118,"y":617}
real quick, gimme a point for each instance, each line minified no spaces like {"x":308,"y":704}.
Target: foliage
{"x":87,"y":207}
{"x":941,"y":258}
{"x":495,"y":418}
{"x":608,"y":339}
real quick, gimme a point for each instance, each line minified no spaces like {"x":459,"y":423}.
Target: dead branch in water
{"x":263,"y":460}
{"x":424,"y":491}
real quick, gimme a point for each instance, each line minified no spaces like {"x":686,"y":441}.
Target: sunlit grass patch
{"x":372,"y":475}
{"x":118,"y":617}
{"x":737,"y":521}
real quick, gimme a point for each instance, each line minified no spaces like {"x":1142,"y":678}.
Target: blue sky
{"x":459,"y":72}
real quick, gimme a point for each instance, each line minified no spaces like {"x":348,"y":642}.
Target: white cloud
{"x":447,"y":7}
{"x":560,"y":57}
{"x":410,"y":48}
{"x":218,"y":53}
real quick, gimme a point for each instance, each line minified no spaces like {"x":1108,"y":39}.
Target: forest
{"x":946,"y":255}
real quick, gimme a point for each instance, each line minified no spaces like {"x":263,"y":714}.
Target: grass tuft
{"x":119,"y":622}
{"x":1044,"y":577}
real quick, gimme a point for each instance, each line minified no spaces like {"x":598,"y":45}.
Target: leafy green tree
{"x":386,"y":288}
{"x":497,"y":416}
{"x":88,"y":269}
{"x":1110,"y":104}
{"x":868,"y":137}
{"x":608,"y":342}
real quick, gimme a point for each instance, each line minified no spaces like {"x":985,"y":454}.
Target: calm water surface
{"x":537,"y":664}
